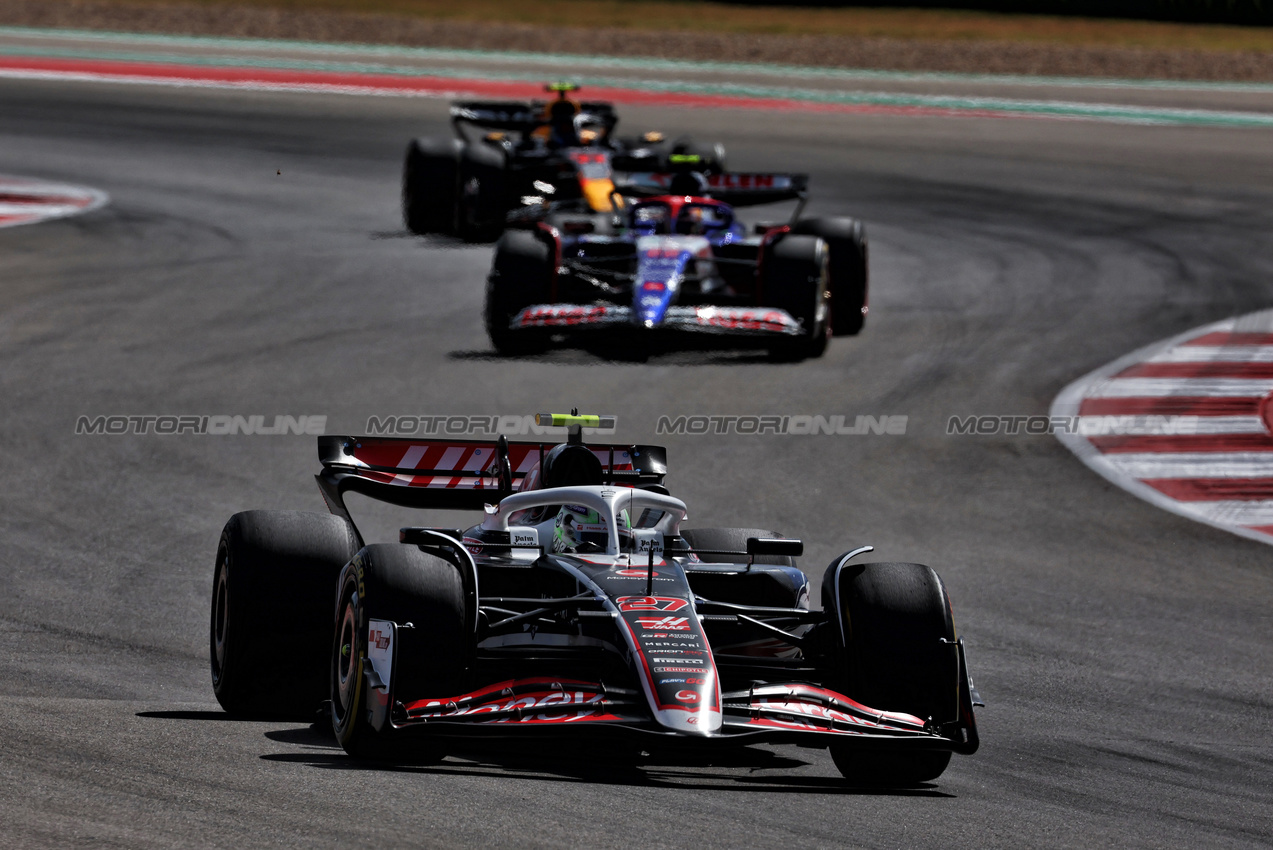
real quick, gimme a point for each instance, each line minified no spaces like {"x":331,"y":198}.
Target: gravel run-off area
{"x":832,"y":51}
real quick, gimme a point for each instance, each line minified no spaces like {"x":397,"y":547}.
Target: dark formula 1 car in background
{"x":562,"y":150}
{"x":577,"y":604}
{"x":674,"y":260}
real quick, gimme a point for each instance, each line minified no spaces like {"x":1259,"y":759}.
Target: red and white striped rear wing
{"x":457,"y":474}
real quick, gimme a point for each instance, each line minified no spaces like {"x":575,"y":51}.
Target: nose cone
{"x":702,"y":721}
{"x":652,"y":300}
{"x":661,"y":263}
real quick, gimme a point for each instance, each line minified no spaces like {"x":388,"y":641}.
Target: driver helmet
{"x":693,"y":220}
{"x":688,"y":183}
{"x":589,"y":128}
{"x":561,"y":122}
{"x":580,"y":529}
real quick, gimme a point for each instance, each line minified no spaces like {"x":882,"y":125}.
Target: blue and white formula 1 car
{"x":675,"y":261}
{"x":578,"y":603}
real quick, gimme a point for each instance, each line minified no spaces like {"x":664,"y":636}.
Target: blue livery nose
{"x":661,"y":264}
{"x":653,"y":297}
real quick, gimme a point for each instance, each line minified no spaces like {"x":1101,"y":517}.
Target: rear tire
{"x":429,"y":185}
{"x":521,"y":275}
{"x":787,"y":587}
{"x":732,"y":540}
{"x":890,"y":620}
{"x":849,"y":269}
{"x":271,"y":622}
{"x":404,"y":585}
{"x":796,"y":271}
{"x":483,"y":193}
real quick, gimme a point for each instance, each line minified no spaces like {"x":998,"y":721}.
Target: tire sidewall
{"x":270,"y":610}
{"x":348,"y":702}
{"x":515,"y":284}
{"x":796,"y":269}
{"x":482,"y":201}
{"x":849,"y":269}
{"x":429,"y":185}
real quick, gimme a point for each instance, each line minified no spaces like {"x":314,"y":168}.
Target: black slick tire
{"x":731,"y":540}
{"x":430,"y":177}
{"x":796,"y":273}
{"x":892,"y":619}
{"x":849,"y":269}
{"x":521,"y":274}
{"x":404,"y":585}
{"x":271,"y":618}
{"x":482,"y":203}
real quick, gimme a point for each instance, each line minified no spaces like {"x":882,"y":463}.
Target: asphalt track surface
{"x":252,"y":261}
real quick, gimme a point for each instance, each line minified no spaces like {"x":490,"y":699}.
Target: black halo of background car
{"x":878,"y":676}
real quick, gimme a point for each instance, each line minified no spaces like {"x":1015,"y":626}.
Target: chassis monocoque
{"x":646,"y":631}
{"x":525,"y":154}
{"x":674,"y":266}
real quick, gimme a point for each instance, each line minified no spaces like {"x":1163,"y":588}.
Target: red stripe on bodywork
{"x":498,"y":689}
{"x":1213,"y":489}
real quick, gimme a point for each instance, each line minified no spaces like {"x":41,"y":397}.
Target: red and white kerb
{"x":26,"y":201}
{"x":1186,"y":424}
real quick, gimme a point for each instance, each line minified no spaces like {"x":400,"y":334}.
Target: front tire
{"x":404,"y":585}
{"x":521,"y":275}
{"x":891,"y":621}
{"x":796,"y":279}
{"x":271,"y":610}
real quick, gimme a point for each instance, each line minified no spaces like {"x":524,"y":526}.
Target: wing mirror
{"x":774,"y":546}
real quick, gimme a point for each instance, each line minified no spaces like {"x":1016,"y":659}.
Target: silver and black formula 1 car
{"x":674,"y":267}
{"x":578,"y":604}
{"x":561,"y":151}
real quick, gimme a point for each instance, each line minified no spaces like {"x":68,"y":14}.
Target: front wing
{"x":791,"y":713}
{"x":736,"y":321}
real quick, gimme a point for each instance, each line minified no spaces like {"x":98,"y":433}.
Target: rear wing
{"x":457,"y":474}
{"x":520,"y":116}
{"x":736,"y":188}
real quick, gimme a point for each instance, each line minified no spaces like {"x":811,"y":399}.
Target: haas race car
{"x":675,"y":263}
{"x":578,"y":604}
{"x":506,"y":156}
